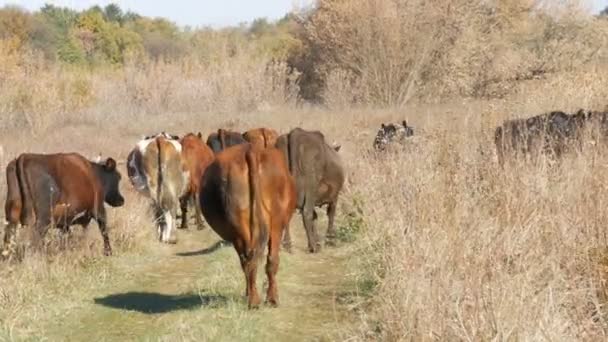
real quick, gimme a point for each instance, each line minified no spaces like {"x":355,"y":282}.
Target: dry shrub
{"x":400,"y":50}
{"x":462,"y":250}
{"x":40,"y":95}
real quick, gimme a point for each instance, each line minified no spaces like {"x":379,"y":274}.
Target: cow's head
{"x":392,"y":132}
{"x":408,"y":131}
{"x":110,"y":180}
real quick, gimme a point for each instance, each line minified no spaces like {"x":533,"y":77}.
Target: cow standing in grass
{"x":319,"y":176}
{"x":224,"y":139}
{"x":197,"y":156}
{"x":549,"y":134}
{"x":156,"y":169}
{"x":248,"y":197}
{"x":59,"y":190}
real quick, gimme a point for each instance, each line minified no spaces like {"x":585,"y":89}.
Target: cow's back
{"x":223,"y":139}
{"x":261,"y":137}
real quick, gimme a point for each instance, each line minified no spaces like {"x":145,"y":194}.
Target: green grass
{"x":193,"y":290}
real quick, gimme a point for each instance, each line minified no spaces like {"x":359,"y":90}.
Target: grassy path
{"x":194,"y":291}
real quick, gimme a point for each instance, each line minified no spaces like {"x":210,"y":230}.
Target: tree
{"x":113,"y":13}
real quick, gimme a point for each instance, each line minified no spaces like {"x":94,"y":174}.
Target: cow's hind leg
{"x":169,"y":216}
{"x":308,"y":214}
{"x":45,"y":190}
{"x":249,"y":265}
{"x":200,"y":224}
{"x":287,"y":239}
{"x":272,"y":264}
{"x":183,"y":203}
{"x":10,"y":232}
{"x":330,"y":236}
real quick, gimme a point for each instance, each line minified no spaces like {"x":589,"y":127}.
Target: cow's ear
{"x":337,"y":147}
{"x":110,"y":165}
{"x":404,"y":123}
{"x":382,"y":125}
{"x":200,"y":135}
{"x":175,"y":137}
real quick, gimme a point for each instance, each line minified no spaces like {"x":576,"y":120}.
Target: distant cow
{"x":248,"y":197}
{"x":61,"y":190}
{"x":224,"y":139}
{"x":197,"y":156}
{"x":389,"y":133}
{"x":319,"y":176}
{"x":157,"y":170}
{"x":261,"y":137}
{"x":547,"y":133}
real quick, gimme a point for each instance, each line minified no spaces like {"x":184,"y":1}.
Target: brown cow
{"x":261,"y":137}
{"x":60,"y":189}
{"x":319,"y":176}
{"x":248,"y":198}
{"x":197,"y":156}
{"x":224,"y":139}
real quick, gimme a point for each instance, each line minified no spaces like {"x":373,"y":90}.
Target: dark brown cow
{"x":61,"y":190}
{"x":319,"y":176}
{"x":224,"y":139}
{"x":197,"y":156}
{"x":261,"y":137}
{"x":248,"y":198}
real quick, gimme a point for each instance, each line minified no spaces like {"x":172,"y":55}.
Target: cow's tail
{"x":25,"y":192}
{"x":159,"y":171}
{"x":258,"y":225}
{"x":221,"y":135}
{"x":291,"y":156}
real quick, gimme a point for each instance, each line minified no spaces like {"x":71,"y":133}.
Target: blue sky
{"x":185,"y":12}
{"x":203,"y":12}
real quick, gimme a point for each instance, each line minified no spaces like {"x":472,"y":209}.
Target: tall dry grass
{"x":463,"y":250}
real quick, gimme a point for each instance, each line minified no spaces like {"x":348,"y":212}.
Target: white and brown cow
{"x":157,"y":170}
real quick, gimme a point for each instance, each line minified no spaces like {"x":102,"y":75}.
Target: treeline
{"x":340,"y":53}
{"x":110,"y":36}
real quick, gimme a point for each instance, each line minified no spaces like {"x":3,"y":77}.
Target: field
{"x":436,"y":241}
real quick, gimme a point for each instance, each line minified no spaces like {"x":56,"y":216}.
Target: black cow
{"x":548,"y":133}
{"x":392,"y":132}
{"x":223,"y":139}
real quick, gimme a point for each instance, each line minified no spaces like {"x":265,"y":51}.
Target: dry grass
{"x":451,"y":247}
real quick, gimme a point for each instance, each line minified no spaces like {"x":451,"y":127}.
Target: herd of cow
{"x":246,"y":187}
{"x":549,"y":134}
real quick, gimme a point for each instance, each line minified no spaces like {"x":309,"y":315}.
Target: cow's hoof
{"x":182,"y":227}
{"x":315,"y":249}
{"x":272,"y":302}
{"x":107,"y":252}
{"x":331,"y":241}
{"x":200,"y":227}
